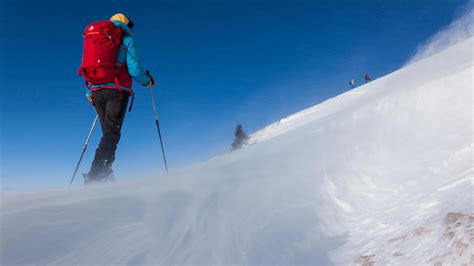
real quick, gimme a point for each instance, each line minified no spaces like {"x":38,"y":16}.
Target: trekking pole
{"x":84,"y":149}
{"x":158,"y":126}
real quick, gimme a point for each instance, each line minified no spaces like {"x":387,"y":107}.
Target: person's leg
{"x":115,"y":111}
{"x":100,"y":103}
{"x":111,"y":122}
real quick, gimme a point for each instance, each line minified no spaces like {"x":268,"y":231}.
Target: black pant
{"x":111,"y":106}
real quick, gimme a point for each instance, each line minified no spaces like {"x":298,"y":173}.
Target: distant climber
{"x":367,"y":78}
{"x":110,"y":61}
{"x":352,"y":83}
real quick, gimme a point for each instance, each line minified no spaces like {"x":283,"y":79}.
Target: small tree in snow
{"x":240,"y":137}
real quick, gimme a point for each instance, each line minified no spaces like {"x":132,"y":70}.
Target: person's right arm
{"x":134,"y":65}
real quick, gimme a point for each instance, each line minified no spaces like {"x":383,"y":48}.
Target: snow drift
{"x":460,"y":29}
{"x":382,"y":173}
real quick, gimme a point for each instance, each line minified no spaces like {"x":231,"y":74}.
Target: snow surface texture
{"x":382,"y":173}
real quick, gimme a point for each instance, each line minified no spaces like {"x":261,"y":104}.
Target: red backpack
{"x":101,"y":43}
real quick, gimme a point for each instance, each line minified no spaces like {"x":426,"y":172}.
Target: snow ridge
{"x":381,"y":174}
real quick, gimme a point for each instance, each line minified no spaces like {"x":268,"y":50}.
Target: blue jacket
{"x":128,"y":54}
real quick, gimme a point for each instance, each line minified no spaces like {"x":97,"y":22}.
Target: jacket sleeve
{"x":134,"y":64}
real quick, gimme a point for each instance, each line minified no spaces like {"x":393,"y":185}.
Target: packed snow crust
{"x":381,"y":174}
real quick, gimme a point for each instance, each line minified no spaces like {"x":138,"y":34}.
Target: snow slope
{"x":382,"y":173}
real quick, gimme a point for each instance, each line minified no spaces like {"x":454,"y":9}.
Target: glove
{"x":152,"y":80}
{"x":90,"y":98}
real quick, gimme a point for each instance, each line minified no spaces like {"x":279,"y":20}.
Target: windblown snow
{"x":380,"y":174}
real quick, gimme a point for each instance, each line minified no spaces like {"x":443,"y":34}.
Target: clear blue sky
{"x":217,"y":63}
